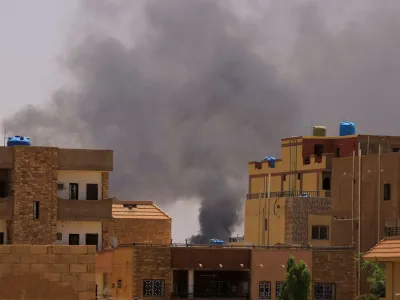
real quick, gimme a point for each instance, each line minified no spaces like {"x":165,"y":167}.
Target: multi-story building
{"x":60,"y":196}
{"x":310,"y":195}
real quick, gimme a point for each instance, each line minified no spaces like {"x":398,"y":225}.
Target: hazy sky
{"x":33,"y":36}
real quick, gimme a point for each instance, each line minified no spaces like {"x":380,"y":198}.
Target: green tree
{"x":297,"y":283}
{"x":376,"y":279}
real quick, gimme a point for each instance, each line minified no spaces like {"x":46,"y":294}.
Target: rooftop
{"x":386,"y":250}
{"x":138,"y":210}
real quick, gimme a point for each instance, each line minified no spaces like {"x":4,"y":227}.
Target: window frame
{"x":74,"y":235}
{"x":324,"y":296}
{"x":152,"y":281}
{"x":77,"y":190}
{"x":87,"y":191}
{"x":278,"y":290}
{"x":319,"y":232}
{"x":387,"y":192}
{"x":267,"y":287}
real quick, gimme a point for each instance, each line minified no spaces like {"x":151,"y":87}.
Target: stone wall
{"x":296,"y":211}
{"x":151,"y":264}
{"x":47,"y":272}
{"x":34,"y":177}
{"x":335,"y":267}
{"x":104,"y":184}
{"x":128,"y":231}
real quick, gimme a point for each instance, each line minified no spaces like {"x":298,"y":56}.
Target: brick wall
{"x":104,"y":184}
{"x":34,"y":177}
{"x":335,"y":266}
{"x":151,"y":263}
{"x":47,"y":272}
{"x":130,"y":231}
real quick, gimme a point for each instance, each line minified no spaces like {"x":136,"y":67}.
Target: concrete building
{"x":60,"y":196}
{"x":216,"y":272}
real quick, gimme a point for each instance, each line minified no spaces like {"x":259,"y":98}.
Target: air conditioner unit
{"x":60,"y":186}
{"x":114,"y":242}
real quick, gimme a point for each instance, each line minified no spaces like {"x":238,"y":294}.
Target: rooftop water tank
{"x":347,"y":128}
{"x":271,"y":161}
{"x":319,"y":131}
{"x":216,"y":242}
{"x":19,"y":141}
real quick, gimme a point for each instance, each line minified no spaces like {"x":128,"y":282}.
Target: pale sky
{"x":33,"y":36}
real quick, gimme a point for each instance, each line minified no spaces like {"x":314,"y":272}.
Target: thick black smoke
{"x":184,"y":109}
{"x":189,"y":95}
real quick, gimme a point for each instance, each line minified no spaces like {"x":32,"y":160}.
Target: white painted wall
{"x":3,"y":228}
{"x":80,"y":177}
{"x":78,"y":227}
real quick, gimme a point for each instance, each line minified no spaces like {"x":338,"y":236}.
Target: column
{"x":190,"y":283}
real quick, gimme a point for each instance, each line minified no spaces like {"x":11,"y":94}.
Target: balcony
{"x":6,"y":208}
{"x":311,"y":194}
{"x":84,"y":210}
{"x":392,"y":231}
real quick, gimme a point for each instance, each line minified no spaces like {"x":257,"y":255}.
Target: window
{"x":298,"y":176}
{"x":119,"y":284}
{"x":264,"y":290}
{"x":266,"y":224}
{"x":386,"y":191}
{"x":73,"y":239}
{"x":284,"y":177}
{"x":326,"y":181}
{"x":278,"y":288}
{"x":36,"y":209}
{"x":92,"y":239}
{"x":3,"y":189}
{"x":73,"y":191}
{"x":59,"y":236}
{"x":258,"y":165}
{"x":320,"y":233}
{"x":1,"y":238}
{"x":153,"y":288}
{"x":60,"y":186}
{"x":92,"y":191}
{"x":318,"y":150}
{"x":396,"y":149}
{"x":337,"y":152}
{"x":325,"y":291}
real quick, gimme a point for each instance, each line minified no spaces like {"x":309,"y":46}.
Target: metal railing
{"x":237,"y":239}
{"x":320,"y":193}
{"x":392,"y":231}
{"x":210,"y":294}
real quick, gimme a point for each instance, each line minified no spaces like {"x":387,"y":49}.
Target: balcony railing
{"x":210,"y":294}
{"x":392,"y":231}
{"x":321,"y":194}
{"x":84,"y":210}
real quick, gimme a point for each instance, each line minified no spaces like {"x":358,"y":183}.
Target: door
{"x":73,"y":239}
{"x":73,"y":191}
{"x":92,"y":239}
{"x":92,"y":191}
{"x":1,"y":238}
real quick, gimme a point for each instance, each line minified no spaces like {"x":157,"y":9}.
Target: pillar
{"x":190,"y":283}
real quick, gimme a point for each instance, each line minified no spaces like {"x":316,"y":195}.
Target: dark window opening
{"x":60,"y":186}
{"x":298,"y":176}
{"x":386,"y":191}
{"x":3,"y":189}
{"x":326,"y":184}
{"x":59,"y":236}
{"x":258,"y":165}
{"x":318,"y":149}
{"x":266,"y":224}
{"x":325,"y":291}
{"x":73,"y":191}
{"x":396,"y":149}
{"x":36,"y":209}
{"x":119,"y":284}
{"x":307,"y":160}
{"x":92,"y":239}
{"x":1,"y":238}
{"x":284,"y":177}
{"x":73,"y":239}
{"x":92,"y":191}
{"x":337,"y":152}
{"x":278,"y":288}
{"x":320,"y":233}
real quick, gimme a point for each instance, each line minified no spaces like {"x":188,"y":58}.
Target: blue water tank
{"x":347,"y":128}
{"x":216,"y":242}
{"x":18,"y":141}
{"x":271,"y":161}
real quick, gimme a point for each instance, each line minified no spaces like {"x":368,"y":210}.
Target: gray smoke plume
{"x":184,"y":109}
{"x":188,"y":91}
